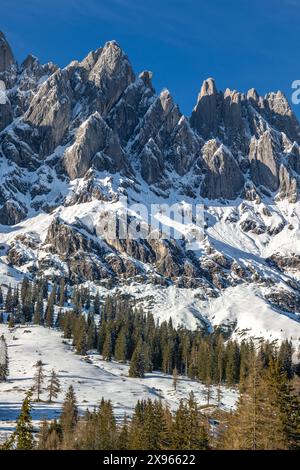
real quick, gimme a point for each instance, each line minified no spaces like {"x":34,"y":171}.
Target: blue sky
{"x":242,"y":44}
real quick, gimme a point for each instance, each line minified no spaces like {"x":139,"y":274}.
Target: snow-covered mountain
{"x":74,"y":140}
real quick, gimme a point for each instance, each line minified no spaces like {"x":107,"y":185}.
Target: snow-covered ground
{"x":91,"y":380}
{"x":244,"y":306}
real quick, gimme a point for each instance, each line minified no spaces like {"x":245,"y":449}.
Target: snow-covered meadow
{"x":91,"y":377}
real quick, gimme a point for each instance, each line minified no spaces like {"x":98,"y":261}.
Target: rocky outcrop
{"x":111,"y":74}
{"x":280,"y":114}
{"x":50,"y":111}
{"x":264,"y":162}
{"x":95,"y":145}
{"x":11,"y":213}
{"x":223,"y":178}
{"x":6,"y":56}
{"x":206,"y":114}
{"x":6,"y":115}
{"x":288,"y":186}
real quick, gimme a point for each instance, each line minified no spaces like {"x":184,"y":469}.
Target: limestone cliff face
{"x":96,"y":115}
{"x":7,"y":60}
{"x":223,"y":178}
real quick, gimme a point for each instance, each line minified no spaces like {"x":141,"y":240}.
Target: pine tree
{"x":38,"y":312}
{"x":80,"y":335}
{"x":106,"y":426}
{"x":11,"y":321}
{"x":62,"y":292}
{"x":287,"y":400}
{"x":43,"y":435}
{"x":49,"y":315}
{"x":108,"y":345}
{"x":23,"y":433}
{"x":180,"y":438}
{"x":258,"y":422}
{"x":137,"y":363}
{"x":123,"y":439}
{"x":69,"y":415}
{"x":175,"y":378}
{"x":96,"y":304}
{"x":285,"y":358}
{"x":197,"y":432}
{"x":101,"y":336}
{"x":9,"y":300}
{"x":39,"y":378}
{"x":4,"y":371}
{"x":91,"y":333}
{"x":53,"y":387}
{"x":121,"y":346}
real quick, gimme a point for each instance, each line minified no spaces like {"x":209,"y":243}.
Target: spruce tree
{"x":121,"y":346}
{"x":1,"y":297}
{"x":62,"y":292}
{"x":9,"y":300}
{"x":4,"y":371}
{"x":137,"y":363}
{"x":39,"y":378}
{"x":23,"y":433}
{"x":43,"y":435}
{"x":11,"y":320}
{"x":49,"y":315}
{"x":69,"y":415}
{"x":53,"y":387}
{"x":38,"y":312}
{"x":123,"y":437}
{"x":175,"y":378}
{"x":258,"y":422}
{"x":108,"y":345}
{"x":91,"y":333}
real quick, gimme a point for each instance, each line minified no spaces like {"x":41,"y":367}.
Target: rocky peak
{"x":95,"y":144}
{"x":281,"y":115}
{"x":208,"y":88}
{"x":205,"y":117}
{"x":166,"y":101}
{"x":221,"y":168}
{"x":6,"y":56}
{"x":111,"y":74}
{"x":146,"y":76}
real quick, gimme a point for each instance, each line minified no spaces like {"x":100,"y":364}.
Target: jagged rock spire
{"x":204,"y":117}
{"x":6,"y":56}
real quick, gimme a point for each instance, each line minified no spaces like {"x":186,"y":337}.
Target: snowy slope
{"x":91,"y":380}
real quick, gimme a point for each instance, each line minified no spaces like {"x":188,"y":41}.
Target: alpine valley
{"x":73,"y":140}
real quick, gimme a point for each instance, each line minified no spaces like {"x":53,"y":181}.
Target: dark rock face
{"x":95,"y":144}
{"x":6,"y":115}
{"x":221,"y":169}
{"x":250,"y":126}
{"x":11,"y":213}
{"x":6,"y":56}
{"x":264,"y":162}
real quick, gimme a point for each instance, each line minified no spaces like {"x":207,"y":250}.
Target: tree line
{"x":120,"y":331}
{"x":267,"y":417}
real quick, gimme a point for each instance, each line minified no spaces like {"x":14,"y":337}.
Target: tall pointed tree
{"x":24,"y":429}
{"x":53,"y":387}
{"x":39,"y":378}
{"x":4,"y":370}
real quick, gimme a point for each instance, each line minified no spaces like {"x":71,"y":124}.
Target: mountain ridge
{"x":73,"y":140}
